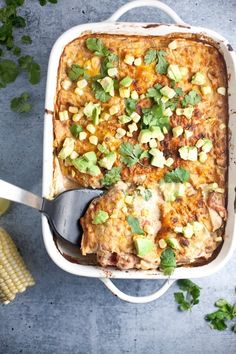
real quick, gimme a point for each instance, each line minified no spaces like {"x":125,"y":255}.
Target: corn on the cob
{"x":14,"y":276}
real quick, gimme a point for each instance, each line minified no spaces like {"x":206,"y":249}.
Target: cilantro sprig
{"x":189,"y":296}
{"x":8,"y":72}
{"x":44,"y":2}
{"x":154,"y":116}
{"x":111,"y":177}
{"x":192,"y":98}
{"x":134,"y":224}
{"x":130,"y":153}
{"x":21,"y":104}
{"x":168,"y":261}
{"x":75,"y":71}
{"x":179,"y":175}
{"x":159,"y":55}
{"x":32,"y":68}
{"x":218,"y":319}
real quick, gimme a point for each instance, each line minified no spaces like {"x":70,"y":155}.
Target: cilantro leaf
{"x":225,"y":312}
{"x":14,"y":2}
{"x":145,"y":193}
{"x":21,"y":104}
{"x":130,"y":153}
{"x":191,"y":298}
{"x":192,"y":98}
{"x":130,"y":105}
{"x":168,"y":261}
{"x":150,"y":56}
{"x":16,"y":51}
{"x":26,"y":40}
{"x":162,"y":63}
{"x":99,"y":92}
{"x":96,"y":45}
{"x":134,"y":224}
{"x":8,"y":72}
{"x":154,"y":116}
{"x":75,"y":71}
{"x":44,"y":2}
{"x":75,"y":129}
{"x":154,"y":92}
{"x":179,"y":175}
{"x":111,"y":177}
{"x":33,"y":69}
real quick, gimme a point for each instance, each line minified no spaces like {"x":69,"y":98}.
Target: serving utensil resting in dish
{"x":63,"y":212}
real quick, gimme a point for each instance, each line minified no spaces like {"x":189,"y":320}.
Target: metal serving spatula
{"x":63,"y":212}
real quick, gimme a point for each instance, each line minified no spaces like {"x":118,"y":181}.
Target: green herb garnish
{"x":190,"y":295}
{"x":99,"y":92}
{"x":75,"y":129}
{"x":111,"y":177}
{"x":75,"y":71}
{"x":225,"y":312}
{"x":21,"y":104}
{"x":32,"y":68}
{"x":134,"y":224}
{"x":44,"y":2}
{"x":130,"y":105}
{"x":179,"y":175}
{"x":145,"y":193}
{"x":26,"y":40}
{"x":130,"y":153}
{"x":159,"y":55}
{"x":154,"y":116}
{"x":96,"y":46}
{"x":8,"y":72}
{"x":168,"y":261}
{"x":100,"y":217}
{"x":192,"y":98}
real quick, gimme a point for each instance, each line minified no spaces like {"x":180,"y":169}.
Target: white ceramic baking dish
{"x":111,"y":26}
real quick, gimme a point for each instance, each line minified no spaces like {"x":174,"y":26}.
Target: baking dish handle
{"x":141,"y":3}
{"x":137,"y":299}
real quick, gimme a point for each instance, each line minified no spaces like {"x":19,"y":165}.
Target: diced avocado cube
{"x":126,"y":81}
{"x":145,"y":136}
{"x":107,"y":84}
{"x":168,"y":92}
{"x":81,"y":164}
{"x":207,"y":146}
{"x":67,"y":149}
{"x":188,"y":230}
{"x":124,"y":119}
{"x":173,"y":243}
{"x":168,"y":190}
{"x":93,"y":170}
{"x":179,"y":189}
{"x":188,"y":112}
{"x":156,"y":133}
{"x":202,"y":156}
{"x":143,"y":246}
{"x":174,"y":72}
{"x":198,"y":79}
{"x":100,"y":217}
{"x":93,"y":110}
{"x":158,"y":159}
{"x":197,"y":227}
{"x":90,"y":157}
{"x":108,"y":161}
{"x":188,"y":153}
{"x":177,"y":131}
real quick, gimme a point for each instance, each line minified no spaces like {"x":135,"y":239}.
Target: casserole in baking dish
{"x":150,"y":112}
{"x":70,"y":260}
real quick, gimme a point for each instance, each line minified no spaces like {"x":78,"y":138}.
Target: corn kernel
{"x":135,"y":117}
{"x":138,"y":61}
{"x":63,"y":115}
{"x":114,"y":109}
{"x":78,"y":91}
{"x":77,"y":116}
{"x":66,"y":84}
{"x":148,"y":229}
{"x":91,"y":128}
{"x":73,"y":109}
{"x":222,"y":126}
{"x":184,"y":71}
{"x":172,"y":45}
{"x":120,"y":132}
{"x":129,"y":199}
{"x":168,"y":112}
{"x":125,"y":210}
{"x":202,"y":157}
{"x":144,"y":212}
{"x":82,"y":83}
{"x":132,"y":127}
{"x":129,"y":59}
{"x":124,"y":92}
{"x":152,"y":143}
{"x":112,"y":72}
{"x":134,"y":95}
{"x":206,"y":90}
{"x":73,"y":155}
{"x":221,"y":91}
{"x":95,"y":62}
{"x":169,"y":161}
{"x":82,"y":136}
{"x":142,"y":96}
{"x":105,"y":116}
{"x":165,"y":130}
{"x":162,"y":243}
{"x":93,"y":139}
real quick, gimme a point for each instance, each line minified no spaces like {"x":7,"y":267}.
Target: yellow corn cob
{"x":14,"y":276}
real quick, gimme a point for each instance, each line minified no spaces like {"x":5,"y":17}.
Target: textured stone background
{"x":68,"y":314}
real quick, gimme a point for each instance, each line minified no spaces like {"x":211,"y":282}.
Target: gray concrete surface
{"x":68,"y":314}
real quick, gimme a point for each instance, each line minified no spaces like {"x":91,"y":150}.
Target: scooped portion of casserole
{"x":145,"y":118}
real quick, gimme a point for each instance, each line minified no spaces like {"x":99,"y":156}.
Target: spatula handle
{"x":19,"y":195}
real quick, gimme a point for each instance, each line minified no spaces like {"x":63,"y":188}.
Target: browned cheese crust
{"x":203,"y":200}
